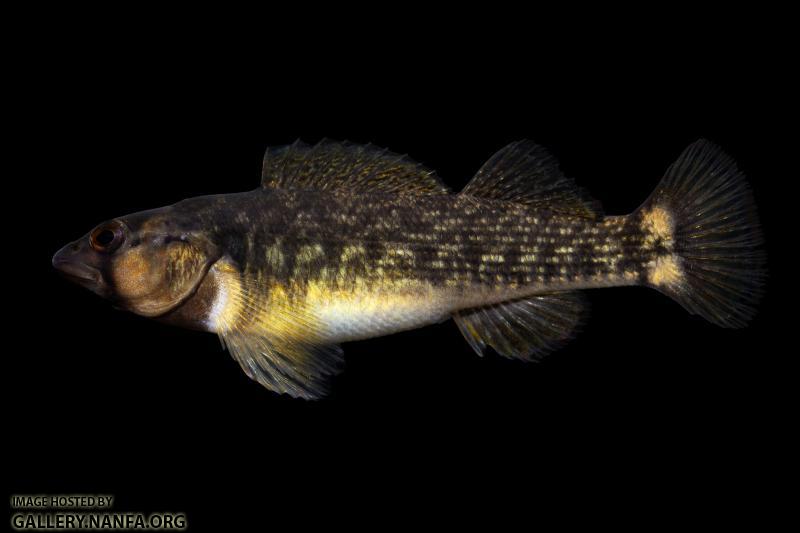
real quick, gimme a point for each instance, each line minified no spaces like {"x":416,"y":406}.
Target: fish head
{"x":148,"y":263}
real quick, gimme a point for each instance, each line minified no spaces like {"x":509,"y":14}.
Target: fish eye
{"x":107,"y":238}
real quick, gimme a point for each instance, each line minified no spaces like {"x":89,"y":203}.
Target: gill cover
{"x":160,"y":272}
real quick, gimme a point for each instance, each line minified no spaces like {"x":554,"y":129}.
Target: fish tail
{"x":703,"y":237}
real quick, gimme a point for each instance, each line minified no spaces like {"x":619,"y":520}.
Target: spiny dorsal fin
{"x":523,"y":329}
{"x":331,"y":165}
{"x":524,"y":172}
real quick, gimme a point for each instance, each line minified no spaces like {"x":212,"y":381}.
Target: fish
{"x":343,"y":242}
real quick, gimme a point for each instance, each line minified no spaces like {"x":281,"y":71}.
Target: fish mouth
{"x":78,"y":272}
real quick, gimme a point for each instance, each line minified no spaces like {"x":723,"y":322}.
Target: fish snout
{"x":76,"y":263}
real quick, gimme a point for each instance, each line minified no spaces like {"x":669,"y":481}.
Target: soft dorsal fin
{"x":331,"y":165}
{"x":524,"y":172}
{"x":523,"y":329}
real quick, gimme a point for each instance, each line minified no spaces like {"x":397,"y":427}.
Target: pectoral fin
{"x":523,"y":329}
{"x":299,"y":369}
{"x":276,"y":339}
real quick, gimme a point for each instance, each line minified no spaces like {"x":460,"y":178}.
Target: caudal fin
{"x":702,"y":216}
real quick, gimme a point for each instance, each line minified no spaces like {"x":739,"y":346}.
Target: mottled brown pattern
{"x":452,"y":240}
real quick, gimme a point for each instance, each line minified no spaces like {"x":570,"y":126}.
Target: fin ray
{"x":276,"y":339}
{"x":527,"y":328}
{"x":524,"y":172}
{"x":330,"y":165}
{"x":703,"y":210}
{"x":300,"y":370}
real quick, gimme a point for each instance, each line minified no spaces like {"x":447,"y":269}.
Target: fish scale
{"x":440,"y":240}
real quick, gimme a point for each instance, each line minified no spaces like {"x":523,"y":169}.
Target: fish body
{"x":372,"y":264}
{"x":345,"y":242}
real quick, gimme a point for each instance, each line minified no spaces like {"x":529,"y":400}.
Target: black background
{"x":647,"y":414}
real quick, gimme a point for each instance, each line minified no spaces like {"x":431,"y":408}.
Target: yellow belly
{"x":365,"y":312}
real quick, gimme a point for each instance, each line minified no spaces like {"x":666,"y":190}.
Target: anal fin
{"x":525,"y":329}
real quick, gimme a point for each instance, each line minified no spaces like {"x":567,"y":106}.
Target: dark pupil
{"x":104,"y":237}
